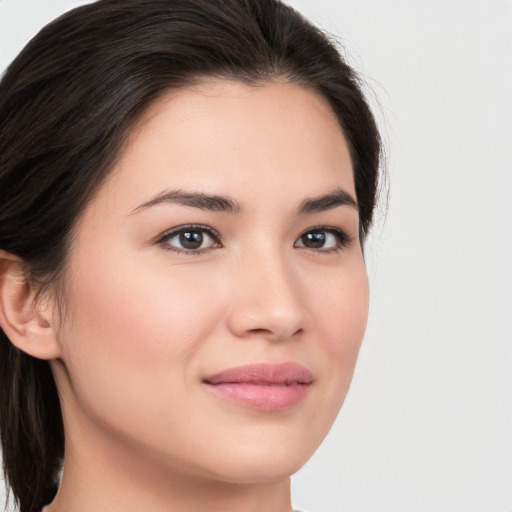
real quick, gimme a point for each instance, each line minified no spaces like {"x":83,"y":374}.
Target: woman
{"x":185,"y":188}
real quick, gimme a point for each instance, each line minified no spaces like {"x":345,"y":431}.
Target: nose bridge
{"x":268,"y":299}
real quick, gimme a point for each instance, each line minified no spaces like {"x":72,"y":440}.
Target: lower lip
{"x":265,"y":397}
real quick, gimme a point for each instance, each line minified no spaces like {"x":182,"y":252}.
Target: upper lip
{"x":265,"y":373}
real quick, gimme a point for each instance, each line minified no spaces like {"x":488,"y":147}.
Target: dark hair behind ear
{"x":66,"y":104}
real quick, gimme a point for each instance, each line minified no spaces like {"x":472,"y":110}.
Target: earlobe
{"x":24,"y":321}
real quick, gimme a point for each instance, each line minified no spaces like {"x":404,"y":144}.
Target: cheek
{"x":142,"y":305}
{"x":341,"y":313}
{"x":342,"y":306}
{"x":136,"y":331}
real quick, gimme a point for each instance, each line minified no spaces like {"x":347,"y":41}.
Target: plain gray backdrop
{"x":427,"y":425}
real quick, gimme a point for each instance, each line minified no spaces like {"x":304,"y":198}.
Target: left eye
{"x":323,"y":238}
{"x":190,"y":239}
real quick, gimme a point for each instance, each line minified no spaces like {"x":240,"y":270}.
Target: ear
{"x":26,"y":323}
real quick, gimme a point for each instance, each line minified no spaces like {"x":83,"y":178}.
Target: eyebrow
{"x":338,"y":197}
{"x":199,"y":200}
{"x":215,"y":203}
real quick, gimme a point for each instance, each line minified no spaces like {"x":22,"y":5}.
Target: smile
{"x":267,"y":387}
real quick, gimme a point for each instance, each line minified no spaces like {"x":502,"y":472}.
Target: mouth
{"x":267,"y":387}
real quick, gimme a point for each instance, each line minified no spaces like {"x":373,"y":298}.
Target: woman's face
{"x":224,"y":237}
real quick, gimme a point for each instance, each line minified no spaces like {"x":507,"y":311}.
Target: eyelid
{"x":212,"y":233}
{"x":344,"y":239}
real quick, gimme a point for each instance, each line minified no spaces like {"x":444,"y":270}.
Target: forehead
{"x":230,"y":138}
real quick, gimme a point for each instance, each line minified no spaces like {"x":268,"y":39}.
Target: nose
{"x":268,"y":300}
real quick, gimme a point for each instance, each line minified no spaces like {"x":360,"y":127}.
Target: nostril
{"x":276,"y":333}
{"x":260,"y":331}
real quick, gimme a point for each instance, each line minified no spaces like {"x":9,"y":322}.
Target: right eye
{"x":190,"y":239}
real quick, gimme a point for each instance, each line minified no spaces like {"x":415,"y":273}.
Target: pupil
{"x":314,"y":239}
{"x":191,"y":239}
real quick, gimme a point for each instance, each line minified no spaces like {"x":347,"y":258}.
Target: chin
{"x":260,"y":462}
{"x":260,"y":471}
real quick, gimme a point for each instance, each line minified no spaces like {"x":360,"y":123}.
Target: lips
{"x":267,"y":387}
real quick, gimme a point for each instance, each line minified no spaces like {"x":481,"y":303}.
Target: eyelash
{"x":343,"y":240}
{"x":184,"y":229}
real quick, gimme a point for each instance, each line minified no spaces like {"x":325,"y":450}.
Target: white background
{"x":427,"y":426}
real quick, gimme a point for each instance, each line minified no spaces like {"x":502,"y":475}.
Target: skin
{"x":145,"y":324}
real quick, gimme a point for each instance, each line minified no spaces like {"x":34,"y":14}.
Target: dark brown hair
{"x":67,"y":103}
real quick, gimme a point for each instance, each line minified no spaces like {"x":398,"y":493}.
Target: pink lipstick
{"x":268,"y":387}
